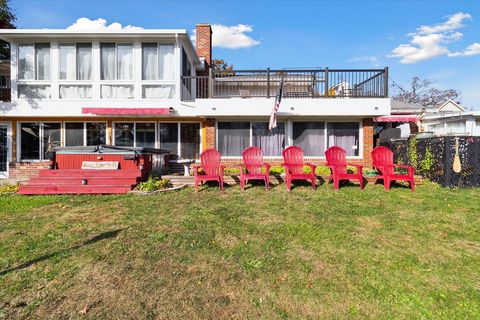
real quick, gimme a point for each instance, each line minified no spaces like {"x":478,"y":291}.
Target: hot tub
{"x":128,"y":158}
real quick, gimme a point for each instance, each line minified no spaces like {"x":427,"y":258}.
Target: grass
{"x":243,"y":255}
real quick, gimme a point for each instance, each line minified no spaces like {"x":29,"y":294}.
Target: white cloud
{"x":231,"y":37}
{"x":100,"y":24}
{"x":430,"y":41}
{"x":471,"y":50}
{"x":454,"y":22}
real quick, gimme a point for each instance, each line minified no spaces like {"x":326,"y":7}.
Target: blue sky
{"x":334,"y":34}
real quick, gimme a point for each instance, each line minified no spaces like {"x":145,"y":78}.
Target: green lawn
{"x":243,"y":255}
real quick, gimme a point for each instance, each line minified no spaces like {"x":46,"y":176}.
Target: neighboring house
{"x":452,"y":119}
{"x":153,"y":88}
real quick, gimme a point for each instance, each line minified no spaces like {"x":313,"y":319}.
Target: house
{"x":153,"y":88}
{"x":451,"y":118}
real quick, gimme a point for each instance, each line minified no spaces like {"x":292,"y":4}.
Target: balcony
{"x":315,"y":83}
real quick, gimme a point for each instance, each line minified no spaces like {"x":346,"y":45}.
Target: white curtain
{"x":42,"y":51}
{"x":310,"y":136}
{"x":272,"y":142}
{"x":75,"y":92}
{"x":344,"y":135}
{"x":84,"y":61}
{"x":150,"y":61}
{"x":67,"y":62}
{"x":158,"y":92}
{"x":117,"y":92}
{"x":108,"y":61}
{"x":25,"y":61}
{"x":166,"y":64}
{"x":125,"y":61}
{"x":33,"y":92}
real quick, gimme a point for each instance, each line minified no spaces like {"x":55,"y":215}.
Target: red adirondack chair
{"x":253,"y":164}
{"x":212,"y":170}
{"x":383,"y":162}
{"x":337,"y":162}
{"x":293,"y":163}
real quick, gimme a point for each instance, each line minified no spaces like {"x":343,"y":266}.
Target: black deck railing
{"x":315,"y":83}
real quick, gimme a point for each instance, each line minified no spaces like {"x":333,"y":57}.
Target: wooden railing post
{"x":326,"y":82}
{"x":268,"y":82}
{"x":210,"y":83}
{"x":385,"y":75}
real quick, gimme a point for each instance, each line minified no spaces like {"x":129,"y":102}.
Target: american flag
{"x":273,"y":116}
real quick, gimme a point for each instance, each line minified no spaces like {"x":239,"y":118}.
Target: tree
{"x":7,"y":21}
{"x":220,"y":64}
{"x":423,"y":92}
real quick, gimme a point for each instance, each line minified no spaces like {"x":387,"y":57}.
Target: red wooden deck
{"x":68,"y":178}
{"x":71,"y":182}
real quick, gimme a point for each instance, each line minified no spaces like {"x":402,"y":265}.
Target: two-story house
{"x":153,"y":88}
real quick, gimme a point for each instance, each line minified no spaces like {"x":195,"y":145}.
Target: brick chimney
{"x":204,"y":43}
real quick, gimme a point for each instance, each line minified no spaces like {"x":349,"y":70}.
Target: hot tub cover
{"x":108,"y":149}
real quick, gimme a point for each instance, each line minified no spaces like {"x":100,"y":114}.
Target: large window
{"x":38,"y":139}
{"x":158,"y":61}
{"x":344,"y":135}
{"x":85,"y":134}
{"x":76,"y":61}
{"x":310,"y":136}
{"x":234,"y":137}
{"x":116,"y":61}
{"x":181,"y":139}
{"x":34,"y":61}
{"x":272,"y":142}
{"x":190,"y":140}
{"x":168,"y":134}
{"x":145,"y":134}
{"x":131,"y":134}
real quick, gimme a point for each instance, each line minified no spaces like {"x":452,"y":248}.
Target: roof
{"x":451,"y":105}
{"x":10,"y":35}
{"x":406,"y":107}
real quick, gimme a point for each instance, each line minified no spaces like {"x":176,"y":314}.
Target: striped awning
{"x":127,"y":111}
{"x":397,"y":118}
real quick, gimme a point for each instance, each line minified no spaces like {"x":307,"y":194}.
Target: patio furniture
{"x":383,"y":162}
{"x":293,"y":163}
{"x":337,"y":162}
{"x":210,"y":169}
{"x":253,"y":165}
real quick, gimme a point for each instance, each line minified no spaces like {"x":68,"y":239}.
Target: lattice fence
{"x":433,"y":159}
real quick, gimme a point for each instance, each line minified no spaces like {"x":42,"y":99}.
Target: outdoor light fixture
{"x":84,"y":182}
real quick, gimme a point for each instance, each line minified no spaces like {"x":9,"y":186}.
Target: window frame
{"x":289,"y":136}
{"x":34,"y":80}
{"x":159,"y":82}
{"x":41,"y":157}
{"x":75,"y":81}
{"x":179,"y":137}
{"x":117,"y":81}
{"x":135,"y":131}
{"x":64,"y":134}
{"x":251,"y":136}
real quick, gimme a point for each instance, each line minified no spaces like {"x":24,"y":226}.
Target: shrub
{"x":154,"y":184}
{"x":8,"y":188}
{"x":232,"y":170}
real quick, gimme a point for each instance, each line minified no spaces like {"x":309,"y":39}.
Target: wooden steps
{"x":82,"y":182}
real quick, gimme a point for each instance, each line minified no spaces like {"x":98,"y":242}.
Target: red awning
{"x":127,"y":111}
{"x":399,"y":118}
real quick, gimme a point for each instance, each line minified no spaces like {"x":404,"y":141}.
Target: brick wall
{"x":204,"y":42}
{"x":367,"y":140}
{"x":23,"y":171}
{"x":209,"y":140}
